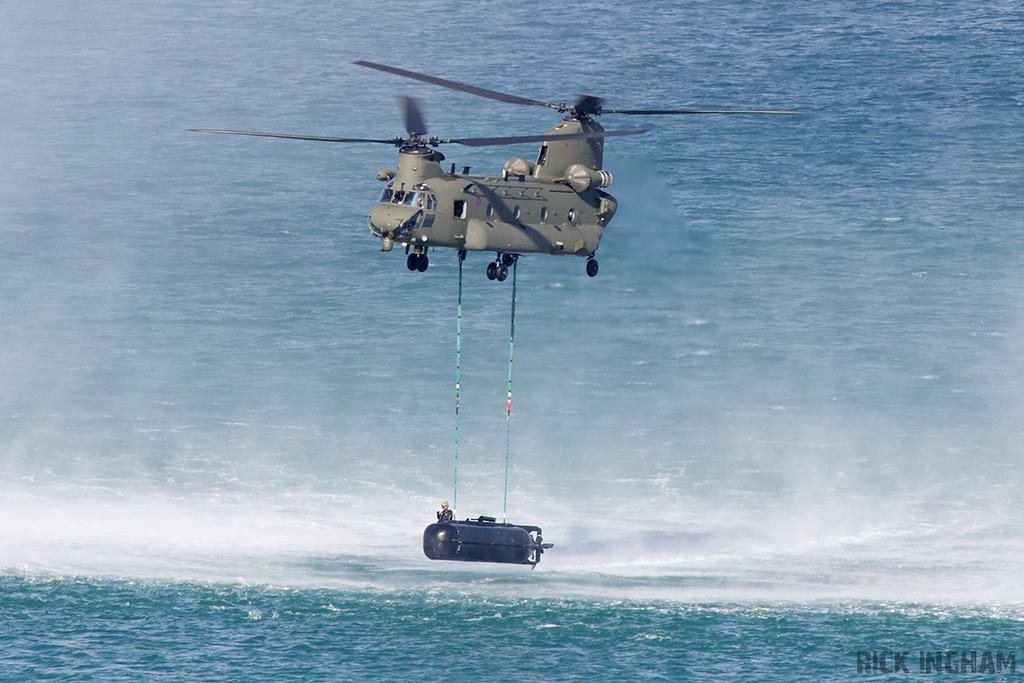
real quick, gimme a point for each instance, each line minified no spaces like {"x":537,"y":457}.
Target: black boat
{"x":484,"y":540}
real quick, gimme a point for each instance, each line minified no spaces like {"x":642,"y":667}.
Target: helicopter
{"x":554,"y":205}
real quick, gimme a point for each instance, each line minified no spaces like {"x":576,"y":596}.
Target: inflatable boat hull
{"x":483,"y":540}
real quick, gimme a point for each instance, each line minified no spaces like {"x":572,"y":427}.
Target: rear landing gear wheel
{"x":591,"y":267}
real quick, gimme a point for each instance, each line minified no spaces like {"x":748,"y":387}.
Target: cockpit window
{"x":423,"y":200}
{"x":385,"y":196}
{"x":423,"y":197}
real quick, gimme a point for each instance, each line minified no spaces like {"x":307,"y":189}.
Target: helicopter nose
{"x":394,"y":219}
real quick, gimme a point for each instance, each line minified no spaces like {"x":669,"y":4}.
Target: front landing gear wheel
{"x":492,"y":271}
{"x":502,"y":272}
{"x":591,"y":267}
{"x":422,"y":262}
{"x":413,"y":261}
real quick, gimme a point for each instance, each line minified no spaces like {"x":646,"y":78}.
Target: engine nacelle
{"x":518,"y":166}
{"x":581,"y":178}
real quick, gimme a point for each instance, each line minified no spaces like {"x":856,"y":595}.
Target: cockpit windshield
{"x":421,"y":196}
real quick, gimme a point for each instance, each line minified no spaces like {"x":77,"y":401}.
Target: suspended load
{"x":484,"y":540}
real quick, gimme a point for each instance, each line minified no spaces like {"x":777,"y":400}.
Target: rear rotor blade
{"x":290,"y":137}
{"x":588,"y":104}
{"x":453,"y":85}
{"x":485,"y":142}
{"x":695,"y":111}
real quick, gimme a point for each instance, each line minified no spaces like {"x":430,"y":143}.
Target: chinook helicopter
{"x":554,"y":205}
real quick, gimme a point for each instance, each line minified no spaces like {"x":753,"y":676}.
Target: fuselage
{"x":553,"y":206}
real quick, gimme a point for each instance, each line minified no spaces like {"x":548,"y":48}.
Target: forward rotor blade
{"x":485,"y":142}
{"x":469,"y":142}
{"x":290,"y":137}
{"x":695,"y":111}
{"x":414,"y":124}
{"x":453,"y":85}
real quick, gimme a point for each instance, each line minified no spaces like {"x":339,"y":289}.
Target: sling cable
{"x":458,"y":386}
{"x":508,"y":405}
{"x":458,"y":366}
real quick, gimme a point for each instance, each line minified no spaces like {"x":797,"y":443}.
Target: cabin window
{"x":516,"y":212}
{"x":571,"y":215}
{"x":543,"y":213}
{"x":542,"y":158}
{"x":460,"y":209}
{"x":490,"y":210}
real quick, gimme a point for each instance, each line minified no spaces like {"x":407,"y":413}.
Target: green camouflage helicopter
{"x":555,"y":205}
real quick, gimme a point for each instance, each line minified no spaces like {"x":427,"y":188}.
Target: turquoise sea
{"x":779,"y":437}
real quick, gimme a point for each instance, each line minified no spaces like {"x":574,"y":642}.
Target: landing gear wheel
{"x":507,"y":260}
{"x":422,"y":262}
{"x":502,"y":272}
{"x":413,"y":261}
{"x":492,"y":271}
{"x":591,"y":267}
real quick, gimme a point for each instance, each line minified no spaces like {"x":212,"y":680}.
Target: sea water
{"x":778,"y":437}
